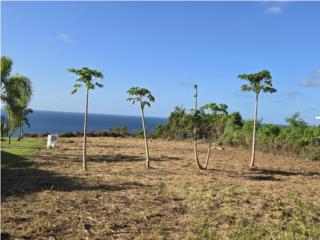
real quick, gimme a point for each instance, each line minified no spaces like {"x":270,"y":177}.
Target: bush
{"x":296,"y":139}
{"x":159,"y":131}
{"x":119,"y":131}
{"x":32,"y":135}
{"x":68,"y":134}
{"x":137,"y":133}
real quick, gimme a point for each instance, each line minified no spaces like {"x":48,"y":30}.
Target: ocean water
{"x":59,"y":122}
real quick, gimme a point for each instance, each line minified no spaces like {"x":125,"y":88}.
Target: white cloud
{"x":314,"y":81}
{"x":63,"y":37}
{"x":317,"y":117}
{"x":274,"y":10}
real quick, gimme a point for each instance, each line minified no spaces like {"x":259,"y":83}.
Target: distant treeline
{"x":296,"y":139}
{"x":121,"y":131}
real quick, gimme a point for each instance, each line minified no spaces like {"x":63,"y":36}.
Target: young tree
{"x":258,"y":82}
{"x":196,"y":119}
{"x":209,"y":122}
{"x":90,"y":79}
{"x":214,"y":120}
{"x":144,"y":97}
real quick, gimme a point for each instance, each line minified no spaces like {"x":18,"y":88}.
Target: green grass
{"x":19,"y":154}
{"x":210,"y":207}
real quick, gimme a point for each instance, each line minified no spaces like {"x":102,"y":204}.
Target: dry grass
{"x":119,"y":199}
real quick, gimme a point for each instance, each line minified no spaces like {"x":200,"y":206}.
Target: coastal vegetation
{"x":90,"y":79}
{"x":16,"y":93}
{"x":297,"y":139}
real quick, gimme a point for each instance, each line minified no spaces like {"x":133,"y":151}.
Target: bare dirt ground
{"x":118,"y":198}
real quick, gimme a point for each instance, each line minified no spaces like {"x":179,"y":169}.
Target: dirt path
{"x":119,"y":199}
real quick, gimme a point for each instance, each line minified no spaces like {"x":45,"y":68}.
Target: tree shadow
{"x":263,"y":174}
{"x":127,"y":158}
{"x":114,"y":158}
{"x":18,"y":147}
{"x":20,"y":182}
{"x":9,"y":160}
{"x":5,"y":236}
{"x":126,"y":146}
{"x":99,"y":158}
{"x":284,"y":172}
{"x":262,"y":178}
{"x":229,"y":172}
{"x":165,"y":158}
{"x":22,"y":179}
{"x":48,"y":157}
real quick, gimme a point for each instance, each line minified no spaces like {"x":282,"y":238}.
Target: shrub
{"x":67,"y":134}
{"x":137,"y":133}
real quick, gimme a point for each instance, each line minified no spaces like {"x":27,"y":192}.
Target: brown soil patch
{"x":119,"y":199}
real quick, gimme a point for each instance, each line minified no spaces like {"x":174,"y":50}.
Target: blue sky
{"x":166,"y":47}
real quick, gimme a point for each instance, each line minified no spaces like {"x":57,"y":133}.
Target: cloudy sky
{"x":166,"y":47}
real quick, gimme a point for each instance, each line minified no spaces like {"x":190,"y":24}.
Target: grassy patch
{"x":19,"y":154}
{"x":233,"y":213}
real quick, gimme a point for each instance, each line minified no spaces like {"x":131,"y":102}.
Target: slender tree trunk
{"x":254,"y":133}
{"x":85,"y":133}
{"x":20,"y":132}
{"x":195,"y":140}
{"x":195,"y":149}
{"x":209,"y":151}
{"x":9,"y":134}
{"x":145,"y":138}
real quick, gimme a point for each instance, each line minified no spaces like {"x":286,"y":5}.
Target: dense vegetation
{"x":296,"y":139}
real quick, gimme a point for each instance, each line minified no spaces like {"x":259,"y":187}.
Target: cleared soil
{"x":118,"y":198}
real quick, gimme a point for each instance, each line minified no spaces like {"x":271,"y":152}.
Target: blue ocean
{"x":59,"y":122}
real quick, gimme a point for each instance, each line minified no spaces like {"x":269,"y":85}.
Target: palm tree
{"x":24,"y":121}
{"x":4,"y":125}
{"x":16,"y":92}
{"x":16,"y":106}
{"x":144,"y":97}
{"x":258,"y":82}
{"x":90,"y":78}
{"x":6,"y":66}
